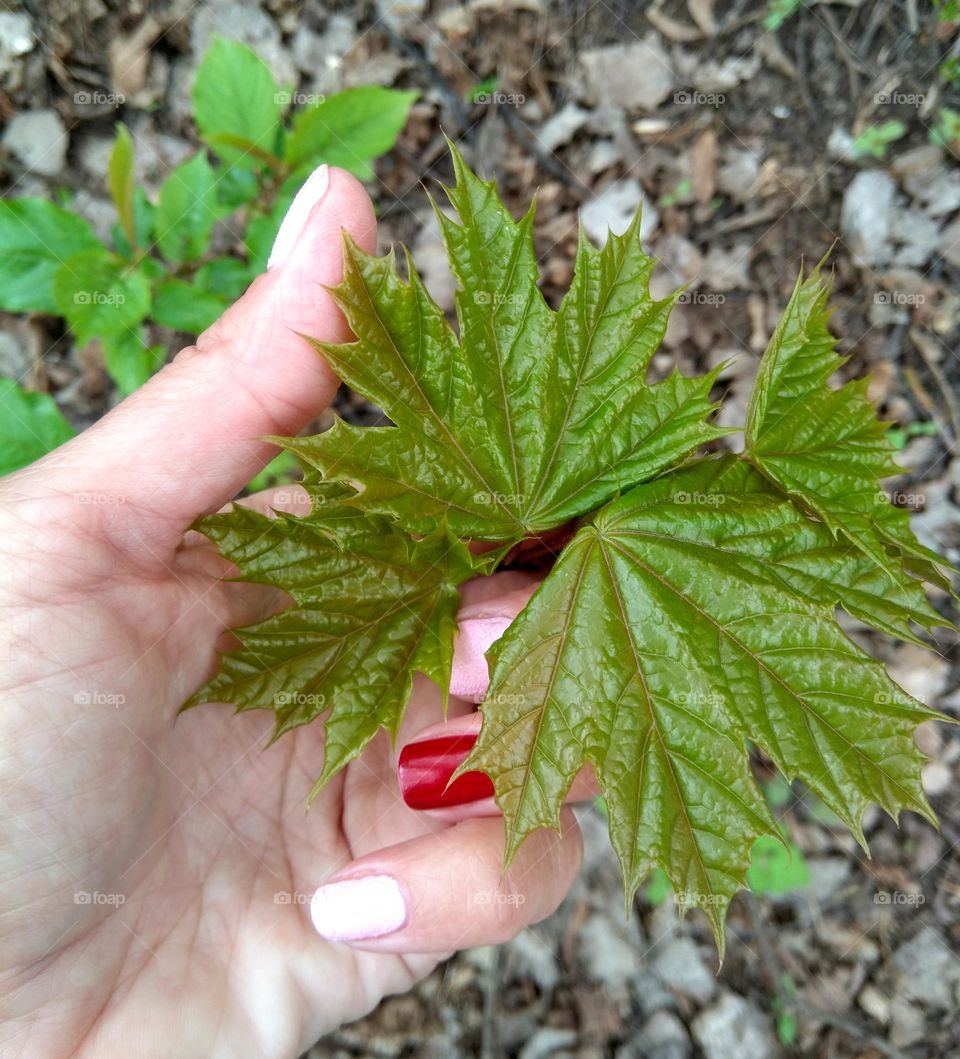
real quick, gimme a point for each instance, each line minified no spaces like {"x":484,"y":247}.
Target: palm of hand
{"x":193,"y":826}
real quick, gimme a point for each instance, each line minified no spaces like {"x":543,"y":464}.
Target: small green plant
{"x":950,"y":72}
{"x":946,"y":129}
{"x":692,"y":609}
{"x":780,"y":11}
{"x":875,"y":139}
{"x":160,"y":266}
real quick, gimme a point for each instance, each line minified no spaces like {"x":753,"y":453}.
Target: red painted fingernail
{"x":425,"y":769}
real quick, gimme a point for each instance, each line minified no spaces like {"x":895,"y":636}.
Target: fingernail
{"x":470,"y":676}
{"x":307,"y":197}
{"x":425,"y":768}
{"x":368,"y":906}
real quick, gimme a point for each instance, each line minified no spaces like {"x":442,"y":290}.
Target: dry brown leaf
{"x":703,"y":166}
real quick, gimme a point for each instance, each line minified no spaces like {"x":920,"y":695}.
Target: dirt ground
{"x":750,"y":150}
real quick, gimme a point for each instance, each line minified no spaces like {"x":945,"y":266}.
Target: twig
{"x":545,"y":158}
{"x":488,"y":1041}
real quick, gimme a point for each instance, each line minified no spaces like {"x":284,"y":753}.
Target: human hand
{"x":157,"y":875}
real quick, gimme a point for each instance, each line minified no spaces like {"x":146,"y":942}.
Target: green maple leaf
{"x":826,"y":447}
{"x":670,"y":633}
{"x":528,"y":417}
{"x":371,"y":607}
{"x":692,"y":615}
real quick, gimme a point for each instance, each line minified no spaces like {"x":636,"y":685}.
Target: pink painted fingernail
{"x":313,"y":190}
{"x":470,"y":676}
{"x":368,"y":906}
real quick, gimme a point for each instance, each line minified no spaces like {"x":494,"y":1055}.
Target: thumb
{"x":188,"y":441}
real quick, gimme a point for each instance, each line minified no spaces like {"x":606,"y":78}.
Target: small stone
{"x":937,"y":778}
{"x":38,"y":139}
{"x":604,"y":154}
{"x":679,"y":965}
{"x":908,"y":1023}
{"x":401,"y":14}
{"x":94,"y":154}
{"x":16,"y":39}
{"x":726,"y":268}
{"x":732,"y":1027}
{"x":529,"y":957}
{"x":562,"y":126}
{"x":950,"y":243}
{"x":920,"y":674}
{"x":548,"y":1041}
{"x":827,"y":876}
{"x":608,"y":956}
{"x":875,"y":1004}
{"x":927,"y":180}
{"x":663,"y":1036}
{"x":866,"y":216}
{"x":927,"y":970}
{"x":247,"y":23}
{"x":738,"y":173}
{"x":635,"y":76}
{"x":613,"y":209}
{"x":842,"y":145}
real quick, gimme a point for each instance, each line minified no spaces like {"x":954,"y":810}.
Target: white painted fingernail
{"x":368,"y":906}
{"x":470,"y":675}
{"x":313,"y":190}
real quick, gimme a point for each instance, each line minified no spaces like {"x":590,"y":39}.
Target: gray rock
{"x":827,"y":875}
{"x":927,"y":970}
{"x":679,"y":965}
{"x":16,"y":39}
{"x":430,"y":257}
{"x":927,"y":180}
{"x":950,"y":243}
{"x":652,"y":995}
{"x":400,"y":14}
{"x":608,"y":955}
{"x":663,"y":1036}
{"x":908,"y":1023}
{"x":321,"y":55}
{"x":548,"y":1041}
{"x":17,"y":351}
{"x":613,"y":210}
{"x":733,"y":1027}
{"x":635,"y":76}
{"x":38,"y":139}
{"x":94,"y":154}
{"x":527,"y":956}
{"x":561,"y":127}
{"x":867,"y":215}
